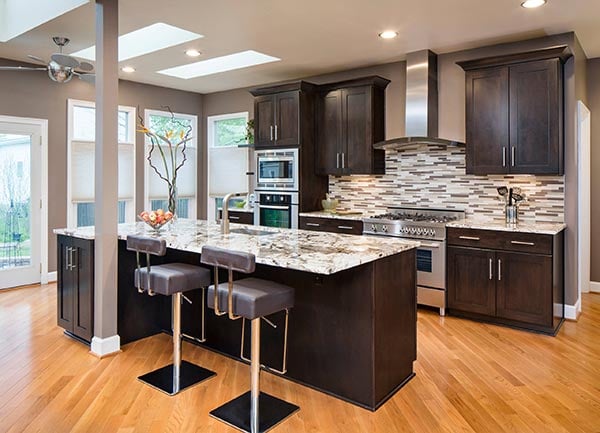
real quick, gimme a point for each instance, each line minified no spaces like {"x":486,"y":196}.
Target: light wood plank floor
{"x":471,"y":377}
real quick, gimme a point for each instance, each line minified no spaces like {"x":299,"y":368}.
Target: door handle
{"x":345,"y":227}
{"x":512,"y":156}
{"x":522,"y":243}
{"x":428,"y":245}
{"x":313,"y":225}
{"x":67,"y":258}
{"x":271,"y":129}
{"x":233,"y":217}
{"x":499,"y":270}
{"x":491,"y":270}
{"x":504,"y":156}
{"x":74,"y":264}
{"x":276,"y":135}
{"x":274,"y":207}
{"x":337,"y":160}
{"x":469,"y":238}
{"x":343,"y":164}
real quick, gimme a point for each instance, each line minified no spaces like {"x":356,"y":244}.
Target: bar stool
{"x":170,"y":279}
{"x":252,"y":299}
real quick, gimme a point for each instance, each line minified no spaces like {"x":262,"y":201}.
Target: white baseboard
{"x":594,"y":287}
{"x":572,"y":311}
{"x":52,"y":277}
{"x":105,"y":346}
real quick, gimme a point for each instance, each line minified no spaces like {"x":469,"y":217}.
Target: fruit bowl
{"x":156,"y":219}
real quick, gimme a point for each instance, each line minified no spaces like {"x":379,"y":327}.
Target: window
{"x":156,"y":190}
{"x":227,"y":161}
{"x":81,"y":149}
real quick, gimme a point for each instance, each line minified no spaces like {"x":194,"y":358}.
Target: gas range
{"x":416,"y":223}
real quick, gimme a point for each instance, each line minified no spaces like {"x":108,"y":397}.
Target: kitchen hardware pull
{"x":67,"y":258}
{"x":343,"y":165}
{"x":491,"y":270}
{"x":276,"y":133}
{"x":313,"y":225}
{"x":74,"y":264}
{"x":428,"y":245}
{"x":70,"y":258}
{"x":233,"y":217}
{"x":499,"y":270}
{"x":504,"y":156}
{"x":271,"y":129}
{"x":274,"y":207}
{"x":469,"y":238}
{"x":512,"y":156}
{"x":337,"y":160}
{"x":345,"y":227}
{"x":522,"y":243}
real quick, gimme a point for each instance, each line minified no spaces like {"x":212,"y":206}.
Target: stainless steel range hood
{"x":421,"y":104}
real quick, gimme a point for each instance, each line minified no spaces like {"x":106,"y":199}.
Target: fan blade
{"x":88,"y":78}
{"x":86,"y":67}
{"x":20,"y":68}
{"x":64,"y":60}
{"x":36,"y":58}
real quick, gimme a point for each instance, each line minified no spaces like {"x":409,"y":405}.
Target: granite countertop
{"x":302,"y":250}
{"x":543,"y":228}
{"x":359,"y":216}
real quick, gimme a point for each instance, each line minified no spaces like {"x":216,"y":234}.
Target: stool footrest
{"x":236,"y":412}
{"x":190,"y":375}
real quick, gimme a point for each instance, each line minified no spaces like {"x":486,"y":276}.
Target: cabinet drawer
{"x":333,"y":225}
{"x":510,"y":241}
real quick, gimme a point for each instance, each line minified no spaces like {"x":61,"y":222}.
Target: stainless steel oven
{"x":276,"y":209}
{"x":431,"y":264}
{"x":277,"y":169}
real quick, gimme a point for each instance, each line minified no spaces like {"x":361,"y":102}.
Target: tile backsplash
{"x":434,"y":177}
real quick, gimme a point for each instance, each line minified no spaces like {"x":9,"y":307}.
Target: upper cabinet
{"x":350,"y":119}
{"x":279,"y":112}
{"x":514,"y":113}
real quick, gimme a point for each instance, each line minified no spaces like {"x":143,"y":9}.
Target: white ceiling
{"x":313,"y":36}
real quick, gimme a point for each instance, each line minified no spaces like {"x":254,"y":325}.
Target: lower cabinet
{"x":239,"y":217}
{"x":331,"y":225}
{"x":75,"y":285}
{"x":488,"y":281}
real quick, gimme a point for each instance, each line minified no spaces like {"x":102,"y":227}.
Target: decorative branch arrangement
{"x":168,"y":143}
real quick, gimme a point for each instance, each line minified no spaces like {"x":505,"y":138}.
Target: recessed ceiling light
{"x":388,"y":34}
{"x":215,"y":65}
{"x":145,"y":40}
{"x":192,"y":52}
{"x":128,"y":69}
{"x":531,"y":4}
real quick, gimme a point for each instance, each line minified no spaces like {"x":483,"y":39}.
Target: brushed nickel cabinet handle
{"x":522,"y":243}
{"x":504,"y":156}
{"x":276,"y":135}
{"x":512,"y":156}
{"x":313,"y":225}
{"x":469,"y":238}
{"x":74,"y":253}
{"x":271,"y":129}
{"x":67,"y":258}
{"x":345,"y":227}
{"x":343,"y":157}
{"x":233,"y":217}
{"x":499,"y":270}
{"x":337,"y":160}
{"x":491,"y":270}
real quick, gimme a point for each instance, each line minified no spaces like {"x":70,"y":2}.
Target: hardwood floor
{"x":471,"y":377}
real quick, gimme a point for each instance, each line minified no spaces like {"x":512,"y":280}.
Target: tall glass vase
{"x":173,"y":201}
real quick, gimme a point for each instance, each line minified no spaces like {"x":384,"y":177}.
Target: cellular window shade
{"x":227,"y":170}
{"x":83,"y":175}
{"x":186,"y":176}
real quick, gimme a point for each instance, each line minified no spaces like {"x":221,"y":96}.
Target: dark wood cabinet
{"x":239,"y":217}
{"x":514,"y":113}
{"x":277,"y":120}
{"x":75,"y":286}
{"x":332,"y":225}
{"x":471,"y":284}
{"x":264,"y":119}
{"x":350,"y":120}
{"x":509,"y":278}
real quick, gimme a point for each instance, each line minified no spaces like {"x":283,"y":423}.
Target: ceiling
{"x":313,"y":36}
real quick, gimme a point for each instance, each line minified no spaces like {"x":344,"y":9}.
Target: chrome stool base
{"x":236,"y":412}
{"x":189,"y":375}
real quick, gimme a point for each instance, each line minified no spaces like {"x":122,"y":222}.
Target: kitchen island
{"x":352,"y":331}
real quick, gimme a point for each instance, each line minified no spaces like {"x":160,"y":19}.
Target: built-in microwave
{"x":277,"y":169}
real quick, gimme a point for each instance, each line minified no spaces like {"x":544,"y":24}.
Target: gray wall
{"x":32,"y":94}
{"x":593,"y":80}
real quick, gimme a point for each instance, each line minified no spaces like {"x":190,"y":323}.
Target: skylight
{"x":215,"y":65}
{"x":20,"y":16}
{"x":145,"y":40}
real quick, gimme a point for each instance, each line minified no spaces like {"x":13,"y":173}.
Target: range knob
{"x":419,"y":230}
{"x":384,"y":228}
{"x":412,"y":230}
{"x":373,"y":228}
{"x":432,"y":232}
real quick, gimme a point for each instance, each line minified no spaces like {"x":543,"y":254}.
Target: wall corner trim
{"x":105,"y":346}
{"x":572,"y":311}
{"x":594,"y":287}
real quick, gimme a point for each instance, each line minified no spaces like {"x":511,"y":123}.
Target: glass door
{"x":20,"y":195}
{"x":275,"y":216}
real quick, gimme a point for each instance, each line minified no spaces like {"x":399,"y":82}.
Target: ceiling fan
{"x":61,"y":67}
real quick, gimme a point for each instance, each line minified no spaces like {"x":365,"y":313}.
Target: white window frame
{"x":72,"y":207}
{"x":192,"y":211}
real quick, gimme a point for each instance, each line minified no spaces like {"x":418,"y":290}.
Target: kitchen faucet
{"x":225,"y":211}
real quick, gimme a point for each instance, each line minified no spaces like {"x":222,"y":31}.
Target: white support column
{"x":106,"y":339}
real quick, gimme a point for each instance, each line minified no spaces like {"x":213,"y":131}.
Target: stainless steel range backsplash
{"x":434,"y":177}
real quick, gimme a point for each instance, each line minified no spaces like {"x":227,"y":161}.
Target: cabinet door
{"x":471,"y":283}
{"x":357,"y":152}
{"x":287,"y":119}
{"x":264,"y":121}
{"x":535,"y":117}
{"x":83,"y":279}
{"x":64,"y":285}
{"x":330,"y":133}
{"x":487,"y":121}
{"x":524,"y":287}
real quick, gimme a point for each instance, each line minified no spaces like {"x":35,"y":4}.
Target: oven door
{"x":277,"y":216}
{"x":431,"y":265}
